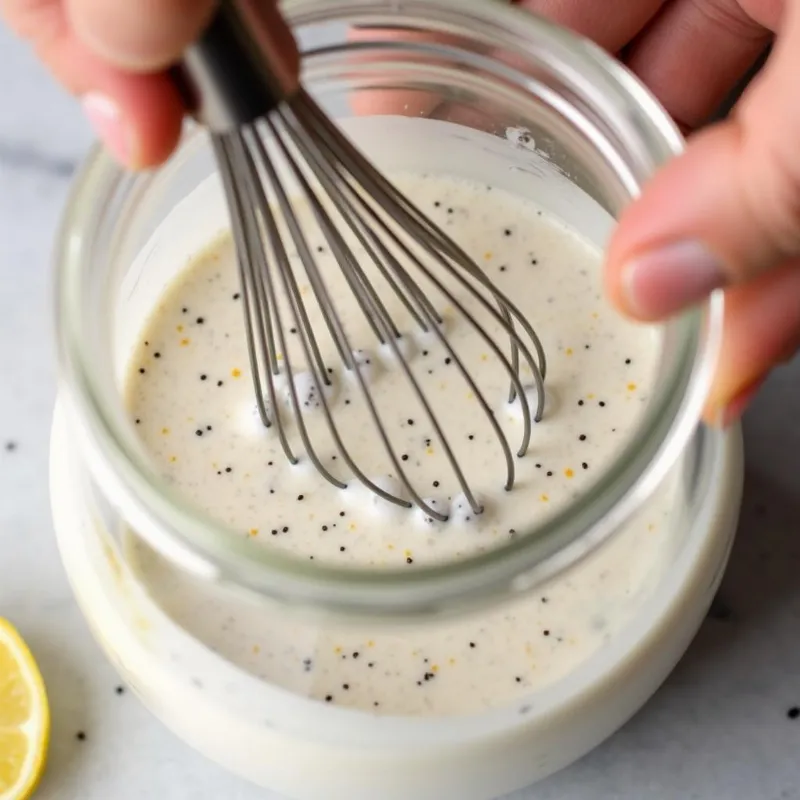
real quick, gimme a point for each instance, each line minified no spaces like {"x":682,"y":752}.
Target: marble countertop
{"x":718,"y":728}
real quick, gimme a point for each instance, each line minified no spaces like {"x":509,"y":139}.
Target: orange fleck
{"x":407,"y":553}
{"x":590,"y":397}
{"x":337,"y":650}
{"x":569,"y":473}
{"x":254,"y":531}
{"x":435,"y":668}
{"x":184,"y":342}
{"x":451,"y":661}
{"x":487,"y":255}
{"x":165,"y":431}
{"x":429,"y":451}
{"x":544,"y":498}
{"x":352,"y":526}
{"x":173,"y":459}
{"x":568,"y":351}
{"x":370,"y":643}
{"x":179,"y":329}
{"x":390,"y":547}
{"x":595,"y":315}
{"x":236,"y":373}
{"x":631,"y":387}
{"x":256,"y":649}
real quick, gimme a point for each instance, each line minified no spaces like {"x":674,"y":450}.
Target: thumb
{"x":143,"y":36}
{"x":728,"y":209}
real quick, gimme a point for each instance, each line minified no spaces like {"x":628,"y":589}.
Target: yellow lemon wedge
{"x":24,"y":717}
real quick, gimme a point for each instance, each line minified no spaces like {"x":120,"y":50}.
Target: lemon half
{"x":24,"y":717}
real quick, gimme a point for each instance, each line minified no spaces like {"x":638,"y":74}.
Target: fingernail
{"x":667,"y":280}
{"x":109,"y":125}
{"x":734,"y":410}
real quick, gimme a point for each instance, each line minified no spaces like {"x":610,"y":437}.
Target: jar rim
{"x":200,"y":545}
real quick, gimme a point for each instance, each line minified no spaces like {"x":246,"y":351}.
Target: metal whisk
{"x":276,"y":148}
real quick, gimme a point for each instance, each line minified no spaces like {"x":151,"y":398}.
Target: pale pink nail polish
{"x":109,"y":125}
{"x":671,"y":278}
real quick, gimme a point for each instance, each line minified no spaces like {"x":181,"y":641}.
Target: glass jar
{"x":553,"y":119}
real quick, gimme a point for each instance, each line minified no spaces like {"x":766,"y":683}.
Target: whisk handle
{"x":237,"y":71}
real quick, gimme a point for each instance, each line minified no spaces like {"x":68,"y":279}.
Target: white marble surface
{"x":717,"y":729}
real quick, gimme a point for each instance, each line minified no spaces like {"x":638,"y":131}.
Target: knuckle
{"x":732,"y":16}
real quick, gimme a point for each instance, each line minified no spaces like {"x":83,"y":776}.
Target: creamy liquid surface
{"x":190,"y":395}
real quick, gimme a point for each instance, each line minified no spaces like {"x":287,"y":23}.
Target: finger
{"x":142,"y":36}
{"x":611,"y":23}
{"x":391,"y":100}
{"x":724,"y":212}
{"x":137,"y":116}
{"x":761,"y":329}
{"x":693,"y":53}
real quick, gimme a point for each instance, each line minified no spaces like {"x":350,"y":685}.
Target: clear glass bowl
{"x":561,"y":122}
{"x":554,"y":119}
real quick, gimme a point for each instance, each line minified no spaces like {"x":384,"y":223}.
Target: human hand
{"x":727,"y":213}
{"x":113,"y":55}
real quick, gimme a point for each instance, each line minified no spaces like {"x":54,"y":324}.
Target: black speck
{"x":627,"y":361}
{"x":582,"y":437}
{"x":410,"y":421}
{"x":545,"y":633}
{"x":585,"y":465}
{"x":473,"y":645}
{"x":11,"y":447}
{"x":156,"y":355}
{"x":300,"y":496}
{"x":449,"y":210}
{"x":448,"y":360}
{"x":204,"y":377}
{"x":198,"y":432}
{"x":346,"y":686}
{"x":371,"y":664}
{"x":436,"y":204}
{"x":436,"y":484}
{"x":471,"y":437}
{"x":720,"y":610}
{"x":793,"y":712}
{"x":518,"y":679}
{"x":524,"y":709}
{"x":120,"y":690}
{"x":237,"y":296}
{"x":549,"y":474}
{"x":602,"y":404}
{"x":507,"y":231}
{"x":404,"y":457}
{"x":409,"y":560}
{"x":138,"y":421}
{"x":141,"y":370}
{"x":324,"y":527}
{"x":356,"y":654}
{"x":184,"y":310}
{"x":341,"y":513}
{"x":545,"y":600}
{"x":228,"y":469}
{"x":342,"y":549}
{"x":80,"y":736}
{"x":328,"y":698}
{"x":285,"y":529}
{"x":219,"y":383}
{"x":580,"y":402}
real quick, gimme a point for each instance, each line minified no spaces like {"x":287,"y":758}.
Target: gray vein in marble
{"x":23,"y":157}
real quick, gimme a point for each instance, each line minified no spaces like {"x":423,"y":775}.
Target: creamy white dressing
{"x":190,"y":393}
